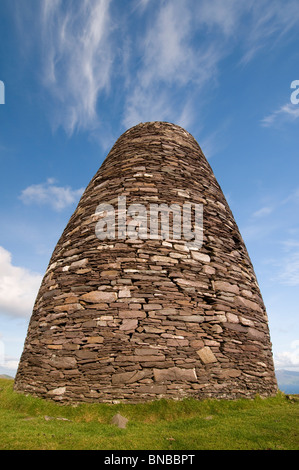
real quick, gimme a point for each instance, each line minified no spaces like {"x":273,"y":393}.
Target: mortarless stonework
{"x":140,"y":320}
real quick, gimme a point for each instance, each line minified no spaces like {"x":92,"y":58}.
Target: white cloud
{"x":287,"y":112}
{"x":268,"y":23}
{"x":257,"y":231}
{"x":216,"y":140}
{"x":223,"y":15}
{"x":250,"y":24}
{"x":48,"y":193}
{"x":162,"y":58}
{"x":77,"y":58}
{"x":167,"y":55}
{"x":290,"y":244}
{"x":8,"y":365}
{"x":18,"y":287}
{"x":145,"y":106}
{"x":183,"y":46}
{"x":288,"y":359}
{"x":259,"y":226}
{"x":289,"y":269}
{"x":171,"y":62}
{"x":141,"y":5}
{"x":292,"y":198}
{"x":263,"y":211}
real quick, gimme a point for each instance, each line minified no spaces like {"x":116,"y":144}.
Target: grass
{"x":29,"y":423}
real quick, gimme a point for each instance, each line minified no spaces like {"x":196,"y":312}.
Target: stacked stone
{"x":137,"y":320}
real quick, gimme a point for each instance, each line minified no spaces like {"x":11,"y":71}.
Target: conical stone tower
{"x":127,"y":311}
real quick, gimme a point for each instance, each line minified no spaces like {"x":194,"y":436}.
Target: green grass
{"x":260,"y":424}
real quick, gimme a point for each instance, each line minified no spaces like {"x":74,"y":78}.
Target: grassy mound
{"x":28,"y":423}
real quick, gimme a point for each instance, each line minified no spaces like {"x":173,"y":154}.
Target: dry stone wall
{"x":136,"y":320}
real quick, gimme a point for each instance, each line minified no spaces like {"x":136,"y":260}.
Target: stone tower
{"x":127,"y":311}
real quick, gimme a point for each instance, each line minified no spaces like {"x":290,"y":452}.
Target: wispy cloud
{"x":184,"y":44}
{"x":170,"y":63}
{"x":225,"y":16}
{"x":18,"y":287}
{"x":290,"y":244}
{"x":57,"y":197}
{"x":277,"y":222}
{"x":268,"y":24}
{"x":140,"y":5}
{"x":260,"y":225}
{"x":287,"y":112}
{"x":77,"y":58}
{"x":276,"y":219}
{"x":254,"y":25}
{"x":216,"y":140}
{"x":293,"y":197}
{"x":263,"y":211}
{"x":162,"y":54}
{"x":289,"y":269}
{"x":168,"y":55}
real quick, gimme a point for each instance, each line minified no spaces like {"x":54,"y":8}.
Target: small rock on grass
{"x":119,"y":421}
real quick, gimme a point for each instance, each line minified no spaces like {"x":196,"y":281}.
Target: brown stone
{"x":191,"y":283}
{"x":79,"y":264}
{"x":128,"y":325}
{"x":175,"y":374}
{"x":109,"y":274}
{"x":152,"y":307}
{"x":152,"y":389}
{"x":189,"y":318}
{"x":168,"y":311}
{"x":198,"y":256}
{"x":128,"y":377}
{"x":97,"y":297}
{"x":163,"y":259}
{"x":206,"y":355}
{"x":177,"y":342}
{"x":68,"y":308}
{"x":140,"y":358}
{"x":63,"y":362}
{"x":57,"y":391}
{"x":85,"y":354}
{"x":208,"y":270}
{"x":254,"y":333}
{"x":246,"y":322}
{"x":124,"y":293}
{"x":132,"y":314}
{"x":146,"y":351}
{"x":95,"y":339}
{"x":236,"y":327}
{"x":226,"y":287}
{"x":226,"y":373}
{"x":197,"y":343}
{"x":241,"y":301}
{"x":232,"y":318}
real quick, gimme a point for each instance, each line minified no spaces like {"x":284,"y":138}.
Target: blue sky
{"x":78,"y":74}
